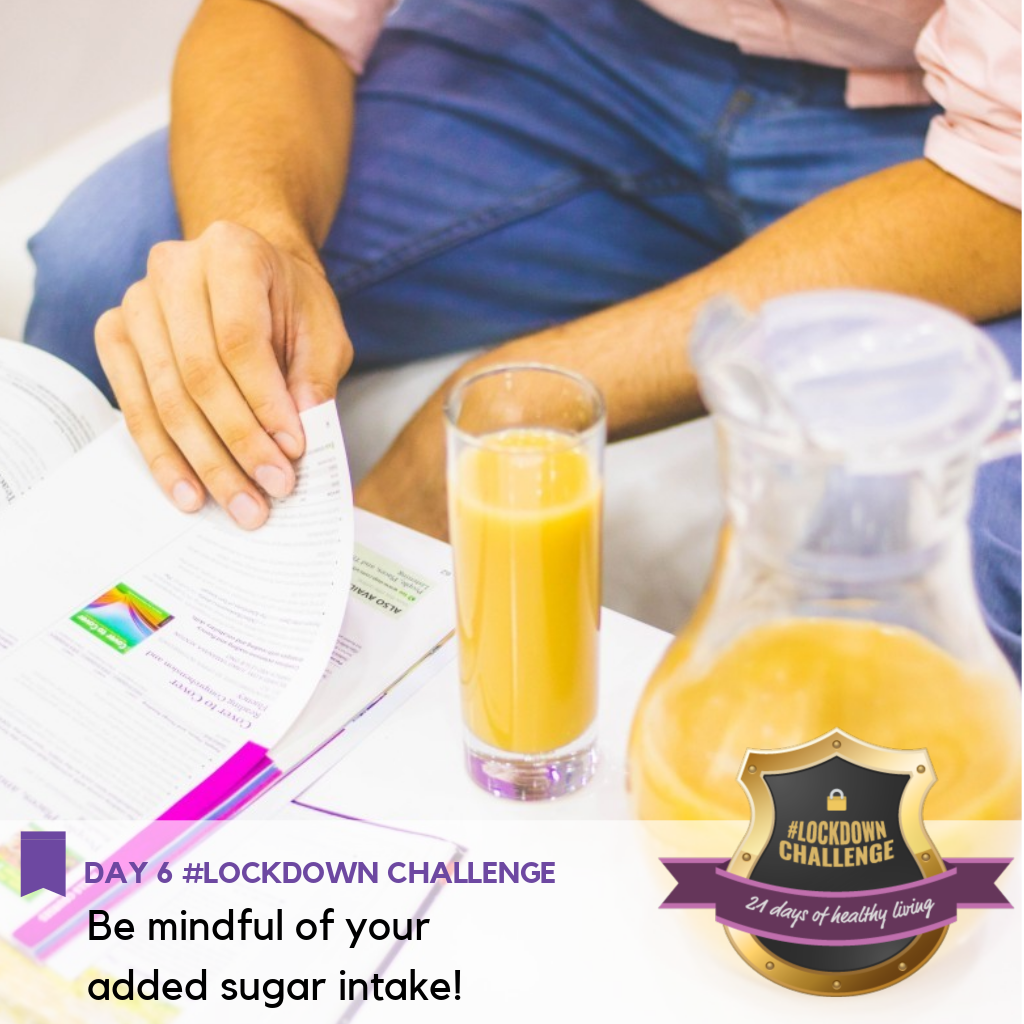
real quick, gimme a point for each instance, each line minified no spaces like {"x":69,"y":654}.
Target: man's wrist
{"x":283,"y":233}
{"x":296,"y":244}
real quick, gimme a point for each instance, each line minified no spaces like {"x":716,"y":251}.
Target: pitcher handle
{"x":1005,"y":440}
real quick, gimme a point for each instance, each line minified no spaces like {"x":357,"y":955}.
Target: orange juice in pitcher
{"x":850,"y":425}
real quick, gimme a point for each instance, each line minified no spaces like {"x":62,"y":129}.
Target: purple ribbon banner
{"x":43,"y":862}
{"x":854,"y":918}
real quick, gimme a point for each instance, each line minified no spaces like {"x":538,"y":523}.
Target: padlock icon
{"x":837,"y":800}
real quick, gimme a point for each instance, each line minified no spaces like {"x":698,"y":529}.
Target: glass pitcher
{"x":850,"y":425}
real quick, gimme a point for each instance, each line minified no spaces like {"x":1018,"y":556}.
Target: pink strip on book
{"x":198,"y":803}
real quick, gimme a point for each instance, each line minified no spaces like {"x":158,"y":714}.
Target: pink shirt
{"x":964,"y":54}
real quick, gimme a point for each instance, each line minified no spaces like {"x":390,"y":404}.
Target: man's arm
{"x":912,"y":229}
{"x":235,"y":329}
{"x":260,"y":126}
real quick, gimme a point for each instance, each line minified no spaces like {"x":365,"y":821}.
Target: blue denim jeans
{"x":519,"y":163}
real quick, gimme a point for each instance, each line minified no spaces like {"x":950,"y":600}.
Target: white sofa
{"x":79,"y":82}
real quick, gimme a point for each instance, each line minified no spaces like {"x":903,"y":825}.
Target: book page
{"x":146,"y":647}
{"x":401,"y":607}
{"x":48,"y":411}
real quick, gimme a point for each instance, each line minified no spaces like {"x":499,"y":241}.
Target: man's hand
{"x":213,"y":355}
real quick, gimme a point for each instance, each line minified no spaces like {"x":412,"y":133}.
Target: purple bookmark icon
{"x":43,"y":862}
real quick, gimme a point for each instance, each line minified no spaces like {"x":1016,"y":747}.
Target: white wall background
{"x":66,"y":65}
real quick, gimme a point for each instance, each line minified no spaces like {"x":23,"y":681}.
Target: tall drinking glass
{"x":525,"y":450}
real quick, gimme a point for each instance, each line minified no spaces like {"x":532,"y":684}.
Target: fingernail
{"x":185,"y":496}
{"x":245,"y":511}
{"x":276,"y":482}
{"x":288,"y":444}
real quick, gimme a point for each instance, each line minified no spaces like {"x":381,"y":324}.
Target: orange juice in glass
{"x":525,"y":445}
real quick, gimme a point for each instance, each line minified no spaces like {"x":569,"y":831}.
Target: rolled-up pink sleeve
{"x":351,"y":25}
{"x":971,"y":54}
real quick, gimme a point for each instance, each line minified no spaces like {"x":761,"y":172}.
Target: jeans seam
{"x":664,"y":181}
{"x":526,"y":204}
{"x":740,"y":103}
{"x":479,"y":223}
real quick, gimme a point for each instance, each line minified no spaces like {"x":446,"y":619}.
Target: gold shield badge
{"x":841,"y":818}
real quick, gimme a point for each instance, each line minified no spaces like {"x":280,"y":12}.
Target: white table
{"x":411,"y":766}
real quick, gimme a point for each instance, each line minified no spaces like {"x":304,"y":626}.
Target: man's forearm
{"x":911,"y":229}
{"x":260,"y":125}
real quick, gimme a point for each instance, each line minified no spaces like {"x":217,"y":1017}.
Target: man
{"x":572,"y":180}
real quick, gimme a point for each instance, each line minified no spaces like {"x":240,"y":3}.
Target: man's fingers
{"x":124,"y":371}
{"x":213,"y":355}
{"x":309,"y":394}
{"x":323,"y":355}
{"x":182,"y":296}
{"x":181,"y":417}
{"x":243,"y":328}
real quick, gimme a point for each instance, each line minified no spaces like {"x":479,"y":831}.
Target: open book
{"x":157,"y":666}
